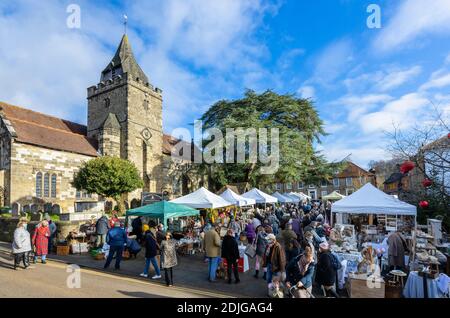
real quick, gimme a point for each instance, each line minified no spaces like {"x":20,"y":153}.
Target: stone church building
{"x":39,"y":154}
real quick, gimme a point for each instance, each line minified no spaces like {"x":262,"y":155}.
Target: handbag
{"x":250,"y":251}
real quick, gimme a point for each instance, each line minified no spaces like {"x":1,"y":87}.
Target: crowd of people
{"x":290,"y":248}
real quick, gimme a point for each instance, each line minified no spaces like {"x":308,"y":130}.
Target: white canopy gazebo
{"x":281,"y":198}
{"x":370,"y":200}
{"x":301,"y":195}
{"x":238,"y":200}
{"x":259,"y":196}
{"x":294,"y":198}
{"x":203,"y":199}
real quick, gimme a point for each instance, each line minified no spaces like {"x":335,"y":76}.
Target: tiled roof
{"x":353,"y":170}
{"x":47,"y":131}
{"x":39,"y":129}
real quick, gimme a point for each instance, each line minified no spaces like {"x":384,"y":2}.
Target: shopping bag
{"x":250,"y":251}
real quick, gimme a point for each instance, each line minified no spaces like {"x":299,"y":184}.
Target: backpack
{"x":335,"y":262}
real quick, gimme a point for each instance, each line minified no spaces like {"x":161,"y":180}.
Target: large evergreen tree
{"x":300,"y":127}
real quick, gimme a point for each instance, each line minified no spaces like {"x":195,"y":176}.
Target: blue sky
{"x":362,"y":80}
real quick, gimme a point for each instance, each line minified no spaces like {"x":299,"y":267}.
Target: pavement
{"x":190,"y":279}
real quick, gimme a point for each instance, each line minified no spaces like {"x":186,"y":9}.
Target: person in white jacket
{"x":21,"y":245}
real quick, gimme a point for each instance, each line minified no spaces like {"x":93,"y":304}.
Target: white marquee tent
{"x":301,"y":195}
{"x":202,"y":199}
{"x":281,"y":198}
{"x":259,"y":196}
{"x":294,"y":198}
{"x":370,"y":200}
{"x":238,"y":200}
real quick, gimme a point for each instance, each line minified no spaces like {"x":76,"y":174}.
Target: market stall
{"x":333,"y":196}
{"x":203,"y":199}
{"x":162,"y":211}
{"x":260,"y":197}
{"x":370,"y":201}
{"x":301,"y":196}
{"x":294,"y":198}
{"x":281,"y":198}
{"x":238,"y":200}
{"x":176,"y":218}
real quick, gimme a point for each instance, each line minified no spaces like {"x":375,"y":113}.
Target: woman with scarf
{"x":300,"y":272}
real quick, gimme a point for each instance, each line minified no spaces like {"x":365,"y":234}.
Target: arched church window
{"x":46,"y":185}
{"x":107,"y":102}
{"x":53,"y":185}
{"x":39,"y":185}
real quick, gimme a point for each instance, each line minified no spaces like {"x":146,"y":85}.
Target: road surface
{"x":51,"y":280}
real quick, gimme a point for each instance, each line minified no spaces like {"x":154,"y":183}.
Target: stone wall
{"x":28,"y":160}
{"x":8,"y":226}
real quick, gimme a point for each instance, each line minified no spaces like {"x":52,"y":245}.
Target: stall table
{"x":420,"y":287}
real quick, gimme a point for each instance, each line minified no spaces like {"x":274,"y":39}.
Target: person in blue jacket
{"x":116,"y":238}
{"x":300,"y":272}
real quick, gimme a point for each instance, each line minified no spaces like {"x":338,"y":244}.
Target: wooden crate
{"x":62,"y":250}
{"x":357,"y":287}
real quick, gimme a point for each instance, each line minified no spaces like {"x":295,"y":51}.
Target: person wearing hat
{"x":21,"y":245}
{"x":116,"y":238}
{"x":275,"y":259}
{"x":326,"y":273}
{"x":168,"y":257}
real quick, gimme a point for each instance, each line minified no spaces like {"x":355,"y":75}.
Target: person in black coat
{"x":326,"y":273}
{"x":137,"y":228}
{"x":230,"y":252}
{"x":151,"y":250}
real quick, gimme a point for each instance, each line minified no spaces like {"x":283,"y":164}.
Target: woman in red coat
{"x":40,"y":241}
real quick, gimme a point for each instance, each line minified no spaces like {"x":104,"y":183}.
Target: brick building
{"x":350,"y":179}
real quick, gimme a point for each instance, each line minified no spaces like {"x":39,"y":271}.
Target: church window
{"x":78,"y":194}
{"x":107,"y":102}
{"x":146,"y":103}
{"x":39,"y":185}
{"x":46,"y":185}
{"x":53,"y":185}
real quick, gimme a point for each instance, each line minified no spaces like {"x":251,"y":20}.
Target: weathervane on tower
{"x":125,"y":20}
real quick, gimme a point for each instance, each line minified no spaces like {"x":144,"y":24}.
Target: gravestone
{"x":38,"y":216}
{"x":15,"y":210}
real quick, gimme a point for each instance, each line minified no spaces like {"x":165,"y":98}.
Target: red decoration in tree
{"x":448,"y":135}
{"x":407,"y":166}
{"x":427,"y":183}
{"x":424,"y":204}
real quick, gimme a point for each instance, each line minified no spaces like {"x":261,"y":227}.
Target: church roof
{"x":47,"y":131}
{"x":34,"y":128}
{"x":169,"y":142}
{"x":124,"y":62}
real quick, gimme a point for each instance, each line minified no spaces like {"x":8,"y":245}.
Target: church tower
{"x":125,"y":116}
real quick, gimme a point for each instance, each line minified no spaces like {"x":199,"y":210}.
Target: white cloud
{"x":402,"y":112}
{"x":438,"y":79}
{"x":333,"y":61}
{"x":414,"y":19}
{"x":357,"y":105}
{"x":389,"y":78}
{"x":307,"y":91}
{"x":397,"y":78}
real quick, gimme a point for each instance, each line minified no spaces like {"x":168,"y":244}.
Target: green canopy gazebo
{"x":333,"y":196}
{"x":162,"y":210}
